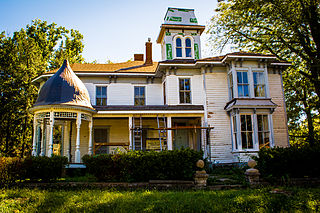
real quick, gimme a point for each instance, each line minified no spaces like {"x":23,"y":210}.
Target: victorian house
{"x":228,"y":106}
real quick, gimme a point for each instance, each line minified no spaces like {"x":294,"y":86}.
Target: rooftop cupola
{"x":64,"y":88}
{"x":180,"y":35}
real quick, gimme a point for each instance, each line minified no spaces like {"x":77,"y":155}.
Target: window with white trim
{"x":259,"y":84}
{"x":101,"y":95}
{"x":230,"y":79}
{"x":139,"y":96}
{"x":183,"y":47}
{"x":235,"y":132}
{"x":184,"y":91}
{"x":243,"y":84}
{"x":263,"y":131}
{"x":178,"y":47}
{"x":246,"y":131}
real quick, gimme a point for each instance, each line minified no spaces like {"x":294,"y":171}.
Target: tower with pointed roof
{"x":180,"y":35}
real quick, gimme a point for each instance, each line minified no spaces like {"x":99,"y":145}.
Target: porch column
{"x":130,"y":132}
{"x":51,"y":124}
{"x":255,"y":131}
{"x":34,"y":144}
{"x":42,"y":138}
{"x":77,"y":152}
{"x":90,"y":137}
{"x":169,"y":139}
{"x":203,"y":143}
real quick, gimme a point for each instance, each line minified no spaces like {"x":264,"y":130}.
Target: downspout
{"x":285,"y":108}
{"x":205,"y":107}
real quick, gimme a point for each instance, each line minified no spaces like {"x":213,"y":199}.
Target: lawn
{"x":85,"y":200}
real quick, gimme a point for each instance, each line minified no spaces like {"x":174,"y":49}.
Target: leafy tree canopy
{"x":23,"y":56}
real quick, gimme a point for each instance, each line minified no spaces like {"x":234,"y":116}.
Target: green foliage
{"x":245,"y":200}
{"x":144,"y":166}
{"x":10,"y":170}
{"x":43,"y":167}
{"x":32,"y":168}
{"x":289,"y":162}
{"x":24,"y":56}
{"x":289,"y":29}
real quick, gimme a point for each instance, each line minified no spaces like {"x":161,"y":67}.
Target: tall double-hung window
{"x":185,"y":91}
{"x":188,"y":48}
{"x":246,"y":131}
{"x":101,"y":95}
{"x":243,"y":84}
{"x":139,"y":96}
{"x":259,"y":84}
{"x":263,"y":131}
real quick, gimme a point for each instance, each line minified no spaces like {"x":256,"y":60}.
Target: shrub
{"x":43,"y":167}
{"x":289,"y":162}
{"x":10,"y":170}
{"x":144,"y":166}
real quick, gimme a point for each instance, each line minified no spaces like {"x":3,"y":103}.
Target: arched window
{"x":178,"y":47}
{"x":188,"y":48}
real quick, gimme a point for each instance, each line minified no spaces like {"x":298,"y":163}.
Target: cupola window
{"x":188,"y":48}
{"x":178,"y":47}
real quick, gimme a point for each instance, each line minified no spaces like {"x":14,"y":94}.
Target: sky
{"x":112,"y":29}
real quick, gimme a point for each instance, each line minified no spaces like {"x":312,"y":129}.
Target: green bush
{"x":44,"y":168}
{"x":144,"y":166}
{"x":10,"y":170}
{"x":291,"y":161}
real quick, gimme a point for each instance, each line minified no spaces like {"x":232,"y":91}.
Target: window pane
{"x":250,"y":141}
{"x":142,"y":91}
{"x":245,"y":90}
{"x":260,"y":125}
{"x":179,"y":52}
{"x":104,"y":91}
{"x":188,"y":98}
{"x":249,"y":123}
{"x":181,"y":82}
{"x":234,"y":124}
{"x":187,"y":84}
{"x":243,"y":123}
{"x":104,"y":101}
{"x":244,"y":140}
{"x":136,"y":91}
{"x":239,"y":77}
{"x":98,"y":91}
{"x":188,"y":52}
{"x":240,"y":91}
{"x":178,"y":42}
{"x":235,"y":141}
{"x":181,"y":97}
{"x":188,"y":42}
{"x":265,"y":123}
{"x":245,"y":77}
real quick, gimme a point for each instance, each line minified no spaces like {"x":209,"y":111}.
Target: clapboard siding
{"x":279,"y":115}
{"x":220,"y":136}
{"x":120,"y":94}
{"x":172,"y":84}
{"x":154,"y":94}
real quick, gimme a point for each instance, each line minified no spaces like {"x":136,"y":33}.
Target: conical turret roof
{"x":65,"y":88}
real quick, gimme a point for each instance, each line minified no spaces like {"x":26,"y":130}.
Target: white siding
{"x":154,"y":94}
{"x":91,"y":89}
{"x":120,"y":94}
{"x":172,"y":84}
{"x":220,"y":136}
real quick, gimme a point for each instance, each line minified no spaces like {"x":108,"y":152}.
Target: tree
{"x":24,"y":56}
{"x":289,"y":29}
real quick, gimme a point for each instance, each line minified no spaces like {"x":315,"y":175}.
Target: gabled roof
{"x":130,"y":66}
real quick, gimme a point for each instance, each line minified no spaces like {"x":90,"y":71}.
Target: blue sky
{"x":113,"y":29}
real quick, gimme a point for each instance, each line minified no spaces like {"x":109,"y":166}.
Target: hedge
{"x":136,"y":166}
{"x":33,"y":168}
{"x":291,"y":161}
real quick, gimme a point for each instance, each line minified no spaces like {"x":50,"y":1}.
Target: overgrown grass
{"x":227,"y":175}
{"x":248,"y":200}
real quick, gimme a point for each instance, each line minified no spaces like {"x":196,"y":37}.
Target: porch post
{"x":169,"y":139}
{"x":51,"y":124}
{"x":203,"y":142}
{"x":34,"y":144}
{"x":42,"y":138}
{"x":77,"y":152}
{"x":130,"y":132}
{"x":90,"y":137}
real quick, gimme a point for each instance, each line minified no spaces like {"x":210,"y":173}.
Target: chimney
{"x":148,"y":52}
{"x":138,"y":57}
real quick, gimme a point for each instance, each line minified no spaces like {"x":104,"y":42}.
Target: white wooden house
{"x":228,"y":106}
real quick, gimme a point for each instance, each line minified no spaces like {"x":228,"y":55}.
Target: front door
{"x":181,"y":139}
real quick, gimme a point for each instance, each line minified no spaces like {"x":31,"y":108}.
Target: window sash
{"x":263,"y":131}
{"x":243,"y":84}
{"x":101,"y":95}
{"x":259,"y":84}
{"x":139,"y":96}
{"x":184,"y":90}
{"x":246,"y":129}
